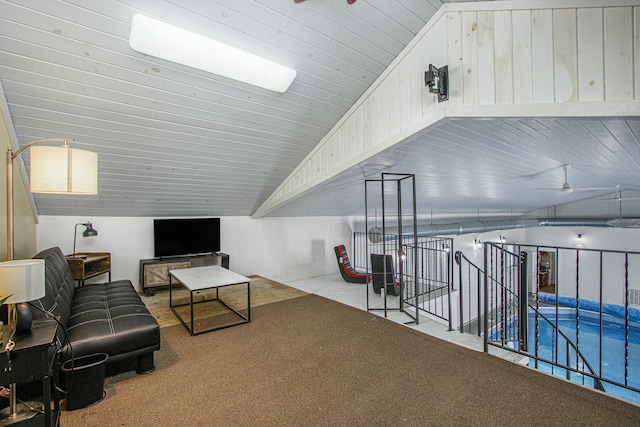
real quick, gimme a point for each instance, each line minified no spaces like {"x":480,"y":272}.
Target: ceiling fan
{"x":567,"y":188}
{"x":348,"y":1}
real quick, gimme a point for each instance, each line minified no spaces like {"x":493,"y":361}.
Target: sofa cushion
{"x":59,"y":287}
{"x":111,"y":318}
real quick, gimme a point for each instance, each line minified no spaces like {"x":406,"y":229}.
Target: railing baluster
{"x":626,"y":319}
{"x":500,"y":314}
{"x":567,"y":360}
{"x":498,"y":297}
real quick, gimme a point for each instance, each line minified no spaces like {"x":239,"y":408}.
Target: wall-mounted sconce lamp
{"x":579,"y":239}
{"x":446,"y":248}
{"x":477,"y":243}
{"x":438,"y":81}
{"x":502,"y":239}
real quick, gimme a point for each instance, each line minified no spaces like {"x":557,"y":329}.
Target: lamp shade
{"x":375,"y":235}
{"x":22,"y":280}
{"x":63,"y":170}
{"x":89,"y":231}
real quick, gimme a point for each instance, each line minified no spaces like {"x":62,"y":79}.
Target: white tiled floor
{"x":335,"y":288}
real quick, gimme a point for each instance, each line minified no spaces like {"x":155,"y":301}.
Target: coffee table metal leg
{"x":191,"y":306}
{"x":249,"y":301}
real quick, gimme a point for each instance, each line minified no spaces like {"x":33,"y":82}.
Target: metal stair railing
{"x":429,"y":289}
{"x":513,"y":300}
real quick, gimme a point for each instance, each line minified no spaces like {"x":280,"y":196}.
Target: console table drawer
{"x":158,"y":274}
{"x":85,"y":265}
{"x":154,"y":272}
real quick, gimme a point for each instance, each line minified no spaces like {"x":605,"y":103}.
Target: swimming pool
{"x":551,"y":346}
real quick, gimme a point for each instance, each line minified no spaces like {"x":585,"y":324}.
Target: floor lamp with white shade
{"x":53,"y":170}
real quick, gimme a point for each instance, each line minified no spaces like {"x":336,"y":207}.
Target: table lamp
{"x":20,"y":281}
{"x":88,"y":232}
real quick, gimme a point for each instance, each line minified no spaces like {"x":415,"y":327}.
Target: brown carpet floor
{"x":310,"y":361}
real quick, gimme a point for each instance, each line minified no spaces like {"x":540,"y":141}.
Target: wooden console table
{"x":154,"y":272}
{"x":93,"y":264}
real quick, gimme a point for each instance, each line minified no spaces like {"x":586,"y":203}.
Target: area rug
{"x":263,"y":291}
{"x":311,"y":361}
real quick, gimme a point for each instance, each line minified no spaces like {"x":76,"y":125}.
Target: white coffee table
{"x":199,"y":279}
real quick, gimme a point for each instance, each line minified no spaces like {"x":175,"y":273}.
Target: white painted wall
{"x":599,"y":238}
{"x":610,"y":238}
{"x":465,"y":244}
{"x":605,"y":238}
{"x":288,"y":249}
{"x":282,"y":249}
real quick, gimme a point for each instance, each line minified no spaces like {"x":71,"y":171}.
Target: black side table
{"x":33,"y":358}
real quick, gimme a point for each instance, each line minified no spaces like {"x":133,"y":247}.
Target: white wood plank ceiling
{"x":500,"y":168}
{"x":174,"y":141}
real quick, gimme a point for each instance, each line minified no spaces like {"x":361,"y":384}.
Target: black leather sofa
{"x":98,"y":318}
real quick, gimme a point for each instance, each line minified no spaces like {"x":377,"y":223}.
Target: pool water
{"x":552,"y":346}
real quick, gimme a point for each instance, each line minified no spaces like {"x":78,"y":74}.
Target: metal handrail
{"x":516,"y":297}
{"x":459,"y":256}
{"x":598,"y":383}
{"x":428,"y":279}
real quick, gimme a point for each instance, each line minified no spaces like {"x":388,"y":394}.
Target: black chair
{"x":378,"y":274}
{"x":349,"y":274}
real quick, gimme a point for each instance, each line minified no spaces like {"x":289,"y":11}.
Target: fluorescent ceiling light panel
{"x":155,"y":38}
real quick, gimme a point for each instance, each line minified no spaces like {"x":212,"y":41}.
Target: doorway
{"x":547,"y":272}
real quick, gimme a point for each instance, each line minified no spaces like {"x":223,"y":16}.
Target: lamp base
{"x":24,"y":318}
{"x":24,"y":411}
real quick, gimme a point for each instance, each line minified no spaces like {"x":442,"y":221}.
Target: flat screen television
{"x":189,"y":236}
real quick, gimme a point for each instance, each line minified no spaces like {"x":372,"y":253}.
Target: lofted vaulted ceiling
{"x":502,"y":167}
{"x":175,"y":141}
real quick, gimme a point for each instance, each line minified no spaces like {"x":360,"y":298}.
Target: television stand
{"x":154,"y":272}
